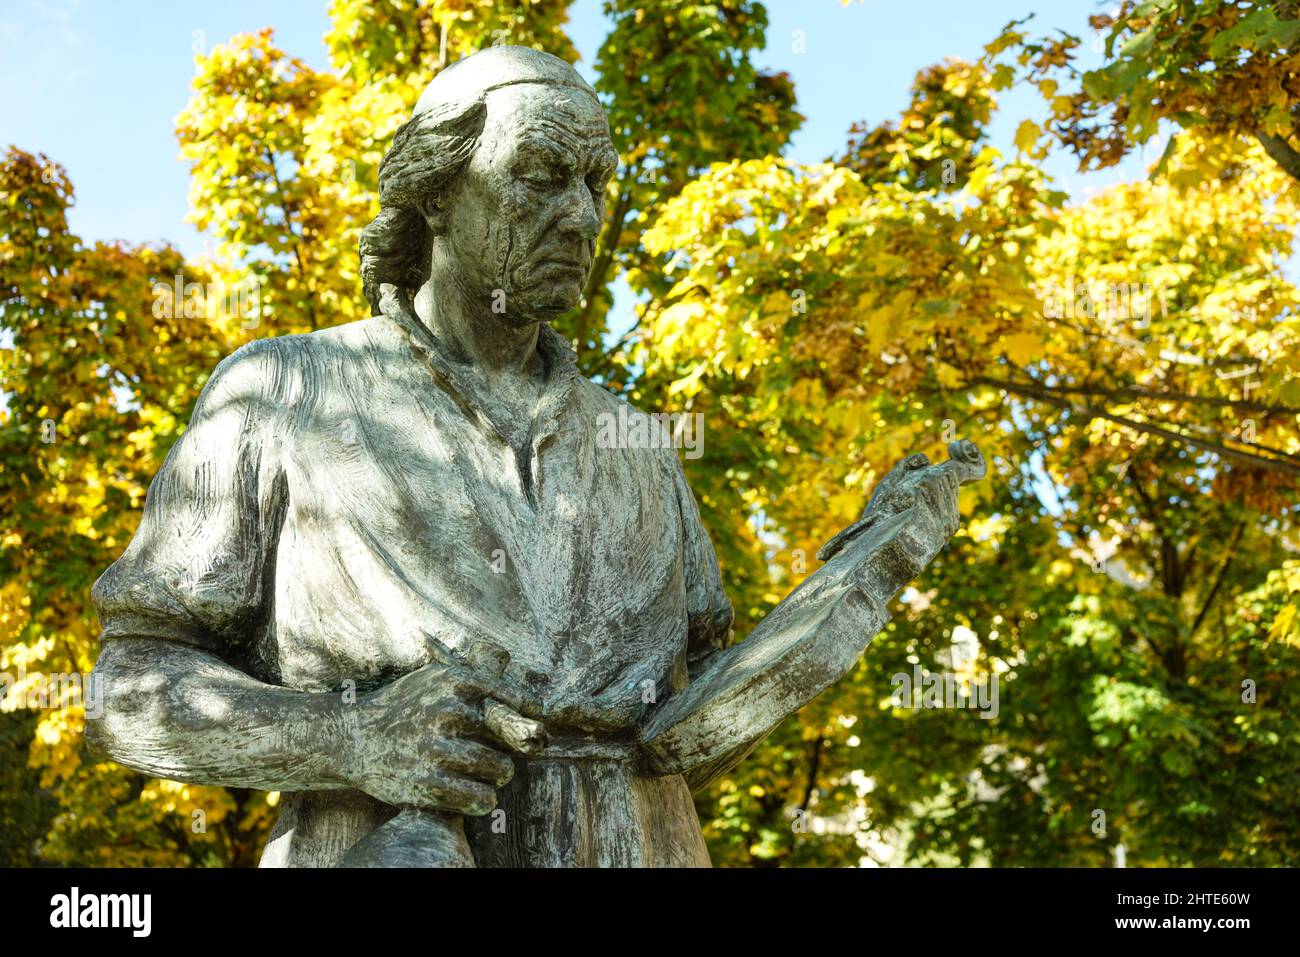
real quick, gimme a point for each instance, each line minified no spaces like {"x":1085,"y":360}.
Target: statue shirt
{"x":337,"y":504}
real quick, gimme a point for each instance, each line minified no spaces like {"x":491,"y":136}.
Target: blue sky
{"x":96,"y":84}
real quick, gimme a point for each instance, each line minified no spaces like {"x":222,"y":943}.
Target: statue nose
{"x":581,"y":217}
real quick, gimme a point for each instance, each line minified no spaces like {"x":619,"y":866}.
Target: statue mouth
{"x":563,"y":264}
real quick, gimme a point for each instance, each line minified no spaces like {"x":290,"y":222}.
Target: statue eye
{"x":540,"y":179}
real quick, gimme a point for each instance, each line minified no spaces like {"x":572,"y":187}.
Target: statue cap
{"x":494,"y":68}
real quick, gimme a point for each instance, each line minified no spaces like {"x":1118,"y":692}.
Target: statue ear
{"x":435,"y":213}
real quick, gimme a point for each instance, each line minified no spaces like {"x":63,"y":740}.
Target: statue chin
{"x":531,"y":315}
{"x":550,"y":302}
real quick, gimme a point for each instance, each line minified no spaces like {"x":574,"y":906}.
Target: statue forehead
{"x":529,"y":111}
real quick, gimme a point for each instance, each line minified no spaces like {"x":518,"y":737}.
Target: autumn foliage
{"x":1129,"y":362}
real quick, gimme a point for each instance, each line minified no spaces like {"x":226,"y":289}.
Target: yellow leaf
{"x":1284,"y":626}
{"x":1027,"y":134}
{"x":1022,"y":347}
{"x":950,"y":377}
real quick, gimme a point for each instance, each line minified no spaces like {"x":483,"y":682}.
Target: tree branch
{"x":1218,"y":579}
{"x":1282,"y":153}
{"x":1147,"y":510}
{"x":812,"y":772}
{"x":1168,"y":355}
{"x":307,"y":285}
{"x":1033,"y":391}
{"x":1128,"y":393}
{"x":600,"y":269}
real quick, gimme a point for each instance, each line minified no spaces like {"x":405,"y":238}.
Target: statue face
{"x":523,"y":216}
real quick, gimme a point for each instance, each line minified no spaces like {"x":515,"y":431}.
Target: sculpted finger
{"x":478,"y":689}
{"x":954,"y":487}
{"x":451,"y":793}
{"x":900,"y":472}
{"x":512,"y":729}
{"x":887,"y":486}
{"x":459,"y":718}
{"x":901,"y":500}
{"x":476,"y":761}
{"x":458,"y":673}
{"x":931,"y":495}
{"x":471,"y":683}
{"x":942,"y":493}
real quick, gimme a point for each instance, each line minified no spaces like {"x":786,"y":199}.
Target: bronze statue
{"x":389,"y":571}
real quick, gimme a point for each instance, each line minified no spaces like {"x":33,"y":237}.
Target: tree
{"x":102,"y":364}
{"x":848,"y":320}
{"x":1127,"y":362}
{"x":1225,"y":67}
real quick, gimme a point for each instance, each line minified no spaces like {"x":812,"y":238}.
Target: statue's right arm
{"x":186,"y":598}
{"x":185,"y":590}
{"x":178,"y":712}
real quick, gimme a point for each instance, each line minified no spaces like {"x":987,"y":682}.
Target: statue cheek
{"x":507,"y":249}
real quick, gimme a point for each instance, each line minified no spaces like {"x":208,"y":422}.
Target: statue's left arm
{"x":738,"y":695}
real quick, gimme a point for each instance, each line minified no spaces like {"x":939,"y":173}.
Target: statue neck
{"x":463,"y":322}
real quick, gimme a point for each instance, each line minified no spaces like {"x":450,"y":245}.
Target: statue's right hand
{"x":425,"y":741}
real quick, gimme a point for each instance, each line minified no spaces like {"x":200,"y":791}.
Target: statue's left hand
{"x":916,"y":484}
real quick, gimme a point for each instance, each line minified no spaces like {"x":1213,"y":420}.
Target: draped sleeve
{"x":200,"y":567}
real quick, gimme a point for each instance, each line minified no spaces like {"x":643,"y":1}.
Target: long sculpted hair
{"x":427,"y":154}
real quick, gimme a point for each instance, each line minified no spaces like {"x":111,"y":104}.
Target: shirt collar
{"x":559,"y":359}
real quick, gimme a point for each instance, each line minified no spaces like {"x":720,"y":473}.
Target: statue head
{"x":498,"y":179}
